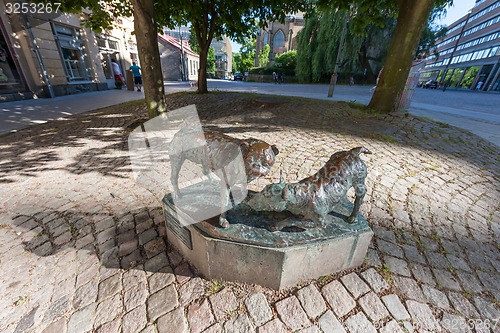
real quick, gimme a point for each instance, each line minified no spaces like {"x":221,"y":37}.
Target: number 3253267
{"x":32,"y":8}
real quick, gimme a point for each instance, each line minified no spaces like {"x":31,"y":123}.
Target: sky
{"x":453,"y":13}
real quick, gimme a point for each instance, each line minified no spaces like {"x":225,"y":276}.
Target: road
{"x":476,"y":112}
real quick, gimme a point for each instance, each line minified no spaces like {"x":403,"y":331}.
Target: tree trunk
{"x":412,"y":18}
{"x":202,"y":72}
{"x":149,"y":55}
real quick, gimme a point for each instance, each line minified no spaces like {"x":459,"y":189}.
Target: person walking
{"x":119,"y":81}
{"x":137,"y":75}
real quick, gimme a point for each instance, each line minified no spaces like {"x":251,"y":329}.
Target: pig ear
{"x":275,"y":150}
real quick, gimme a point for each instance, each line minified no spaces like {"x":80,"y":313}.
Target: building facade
{"x":468,"y":56}
{"x":52,"y":54}
{"x":281,"y":37}
{"x":223,"y":57}
{"x":178,"y":61}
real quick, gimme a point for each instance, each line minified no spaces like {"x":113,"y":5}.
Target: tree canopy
{"x":217,"y":18}
{"x":412,"y":17}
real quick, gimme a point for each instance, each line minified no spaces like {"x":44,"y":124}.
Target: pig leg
{"x":176,"y":164}
{"x":360,"y":191}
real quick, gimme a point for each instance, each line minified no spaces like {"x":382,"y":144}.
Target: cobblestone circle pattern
{"x":83,"y":247}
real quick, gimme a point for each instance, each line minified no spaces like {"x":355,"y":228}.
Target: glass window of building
{"x":279,"y":39}
{"x":265,"y":39}
{"x":10,"y":78}
{"x":72,"y":52}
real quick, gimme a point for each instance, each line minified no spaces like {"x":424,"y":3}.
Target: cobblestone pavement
{"x":83,"y":247}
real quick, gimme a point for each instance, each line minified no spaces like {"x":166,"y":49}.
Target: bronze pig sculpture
{"x":316,"y":196}
{"x":219,"y":150}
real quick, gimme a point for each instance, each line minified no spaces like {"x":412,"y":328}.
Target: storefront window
{"x":10,"y":79}
{"x":470,"y":75}
{"x":455,"y":77}
{"x":71,"y":48}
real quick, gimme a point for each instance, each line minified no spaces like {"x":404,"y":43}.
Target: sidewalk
{"x":22,"y":114}
{"x":83,"y":247}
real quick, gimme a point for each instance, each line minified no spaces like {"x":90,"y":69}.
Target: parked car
{"x":238,"y":77}
{"x":431,"y":84}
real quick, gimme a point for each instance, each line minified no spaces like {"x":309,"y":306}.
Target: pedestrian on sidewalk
{"x":119,"y":81}
{"x":275,"y":77}
{"x":137,"y":75}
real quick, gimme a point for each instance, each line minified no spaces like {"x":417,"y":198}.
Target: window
{"x":72,"y":52}
{"x":279,"y":39}
{"x":265,"y":39}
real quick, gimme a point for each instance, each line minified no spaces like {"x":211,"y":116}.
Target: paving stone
{"x":391,"y":327}
{"x":375,"y":280}
{"x":409,"y":288}
{"x":27,"y":321}
{"x":183,"y":273}
{"x":390,"y":248}
{"x":173,"y":322}
{"x":127,"y":248}
{"x":408,"y":326}
{"x":469,"y":282}
{"x":462,"y":305}
{"x":422,"y":316}
{"x":215,"y":328}
{"x":239,"y":324}
{"x":58,"y":309}
{"x":423,"y":274}
{"x":358,"y":323}
{"x":110,"y":286}
{"x":373,"y":307}
{"x":435,"y":297}
{"x":58,"y":326}
{"x":191,"y":291}
{"x":454,"y":324}
{"x":291,"y":313}
{"x":397,"y":266}
{"x":395,"y":307}
{"x":108,"y":310}
{"x":135,"y":320}
{"x":175,"y":258}
{"x":156,"y":263}
{"x":330,"y":324}
{"x":223,"y":303}
{"x":489,"y":281}
{"x":413,"y":254}
{"x":135,"y":296}
{"x":274,"y":326}
{"x":258,"y":308}
{"x":458,"y":263}
{"x":487,"y":309}
{"x":437,"y":260}
{"x":200,"y":316}
{"x":154,"y":247}
{"x":312,"y":301}
{"x":372,"y":258}
{"x":147,"y":236}
{"x":81,"y":320}
{"x":310,"y":329}
{"x":338,"y":298}
{"x":161,"y":279}
{"x":355,"y":285}
{"x":162,"y":302}
{"x":113,"y":326}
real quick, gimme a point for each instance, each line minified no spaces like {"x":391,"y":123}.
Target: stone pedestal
{"x":248,"y":252}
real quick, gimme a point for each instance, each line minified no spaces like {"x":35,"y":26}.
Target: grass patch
{"x":215,"y":286}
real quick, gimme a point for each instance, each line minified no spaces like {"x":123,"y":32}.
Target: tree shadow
{"x":134,"y":239}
